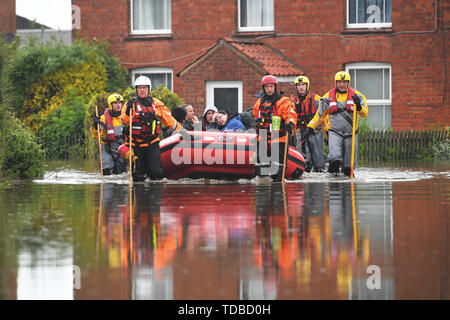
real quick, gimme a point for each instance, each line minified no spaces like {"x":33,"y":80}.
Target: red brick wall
{"x":8,"y":16}
{"x":322,"y":47}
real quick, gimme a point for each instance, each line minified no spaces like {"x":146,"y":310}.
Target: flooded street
{"x":74,"y":235}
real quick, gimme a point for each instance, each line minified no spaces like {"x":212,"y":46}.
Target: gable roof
{"x":267,"y":59}
{"x":23,"y":23}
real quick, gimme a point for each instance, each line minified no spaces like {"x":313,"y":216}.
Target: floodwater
{"x":74,"y":235}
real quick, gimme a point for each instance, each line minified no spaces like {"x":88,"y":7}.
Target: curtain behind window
{"x":257,"y":13}
{"x":151,"y":14}
{"x":370,"y":11}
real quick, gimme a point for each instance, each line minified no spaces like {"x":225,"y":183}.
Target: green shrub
{"x":441,"y":150}
{"x":62,"y":135}
{"x":22,"y":156}
{"x":169,"y":98}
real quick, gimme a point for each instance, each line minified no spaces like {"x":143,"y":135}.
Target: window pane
{"x":226,"y":99}
{"x":151,"y":14}
{"x":257,"y":13}
{"x":370,"y":83}
{"x":380,"y":117}
{"x":387,"y":84}
{"x":370,"y":11}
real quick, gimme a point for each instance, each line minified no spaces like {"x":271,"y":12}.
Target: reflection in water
{"x":248,"y":242}
{"x":236,"y":241}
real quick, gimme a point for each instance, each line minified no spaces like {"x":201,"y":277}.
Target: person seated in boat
{"x":191,"y":121}
{"x":228,"y":122}
{"x":147,"y":113}
{"x":273,"y":113}
{"x":339,"y":103}
{"x":179,"y":114}
{"x":208,"y":122}
{"x":111,"y":134}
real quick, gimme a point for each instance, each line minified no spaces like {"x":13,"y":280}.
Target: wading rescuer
{"x":273,"y":113}
{"x":111,"y":136}
{"x":339,"y":103}
{"x":147,"y":113}
{"x":306,"y":105}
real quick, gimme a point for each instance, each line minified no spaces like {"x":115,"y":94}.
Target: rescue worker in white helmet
{"x":147,"y":113}
{"x":273,"y":110}
{"x":306,"y":104}
{"x":110,"y":125}
{"x":339,"y":103}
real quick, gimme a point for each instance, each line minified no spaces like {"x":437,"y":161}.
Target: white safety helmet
{"x":143,"y":81}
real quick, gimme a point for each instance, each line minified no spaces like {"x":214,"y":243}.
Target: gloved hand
{"x":97,"y":122}
{"x":309,"y":131}
{"x":289,"y":126}
{"x":357,"y":101}
{"x":129,"y":106}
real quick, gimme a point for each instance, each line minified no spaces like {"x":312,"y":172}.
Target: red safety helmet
{"x":268,"y":79}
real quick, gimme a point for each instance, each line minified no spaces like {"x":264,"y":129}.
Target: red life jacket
{"x":109,"y":126}
{"x":333,"y":102}
{"x":145,"y":125}
{"x":306,"y":109}
{"x":267,"y":109}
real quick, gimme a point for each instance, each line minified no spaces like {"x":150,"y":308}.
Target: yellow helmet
{"x":302,"y":79}
{"x":112,"y":98}
{"x":342,"y":75}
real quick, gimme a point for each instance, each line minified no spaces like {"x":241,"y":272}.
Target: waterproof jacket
{"x":340,"y":122}
{"x":117,"y":125}
{"x":306,"y":109}
{"x":282,"y":106}
{"x":234,"y":124}
{"x":161,"y":112}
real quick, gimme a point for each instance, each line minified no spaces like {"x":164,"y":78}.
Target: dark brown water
{"x":385,"y":236}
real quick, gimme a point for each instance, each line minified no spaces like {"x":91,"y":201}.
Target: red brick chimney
{"x":8,"y":16}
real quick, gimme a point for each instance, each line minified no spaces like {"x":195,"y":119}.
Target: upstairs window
{"x":157,"y":76}
{"x":151,"y":16}
{"x":256,"y":15}
{"x":369,"y":13}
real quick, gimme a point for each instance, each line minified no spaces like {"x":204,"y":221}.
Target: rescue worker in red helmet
{"x":147,"y":113}
{"x":267,"y":110}
{"x":306,"y":104}
{"x":339,"y":103}
{"x":111,"y":134}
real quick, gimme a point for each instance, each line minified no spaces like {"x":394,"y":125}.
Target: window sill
{"x":252,"y":34}
{"x":368,"y":31}
{"x":146,"y":37}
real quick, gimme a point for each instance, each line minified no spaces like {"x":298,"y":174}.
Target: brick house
{"x":394,"y":50}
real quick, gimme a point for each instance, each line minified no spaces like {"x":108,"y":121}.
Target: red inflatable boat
{"x":217,"y":155}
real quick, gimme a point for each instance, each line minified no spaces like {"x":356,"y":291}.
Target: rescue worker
{"x":112,"y":137}
{"x":208,"y":122}
{"x":270,"y":108}
{"x":306,"y":104}
{"x":339,"y":103}
{"x":147,"y":114}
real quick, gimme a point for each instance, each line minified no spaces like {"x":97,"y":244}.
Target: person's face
{"x":221,"y":119}
{"x":342,"y":85}
{"x":189,"y":113}
{"x":210,"y":116}
{"x":302,"y":87}
{"x":269,"y":88}
{"x":117,"y":106}
{"x":142,"y":91}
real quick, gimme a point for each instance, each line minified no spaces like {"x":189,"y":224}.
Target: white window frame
{"x":254,"y":29}
{"x":211,"y":85}
{"x":375,"y":65}
{"x":149,"y":31}
{"x":376,"y":25}
{"x":152,"y":70}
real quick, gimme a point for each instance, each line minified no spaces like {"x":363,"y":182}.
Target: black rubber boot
{"x":334,"y":166}
{"x":347,"y":172}
{"x":107,"y":172}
